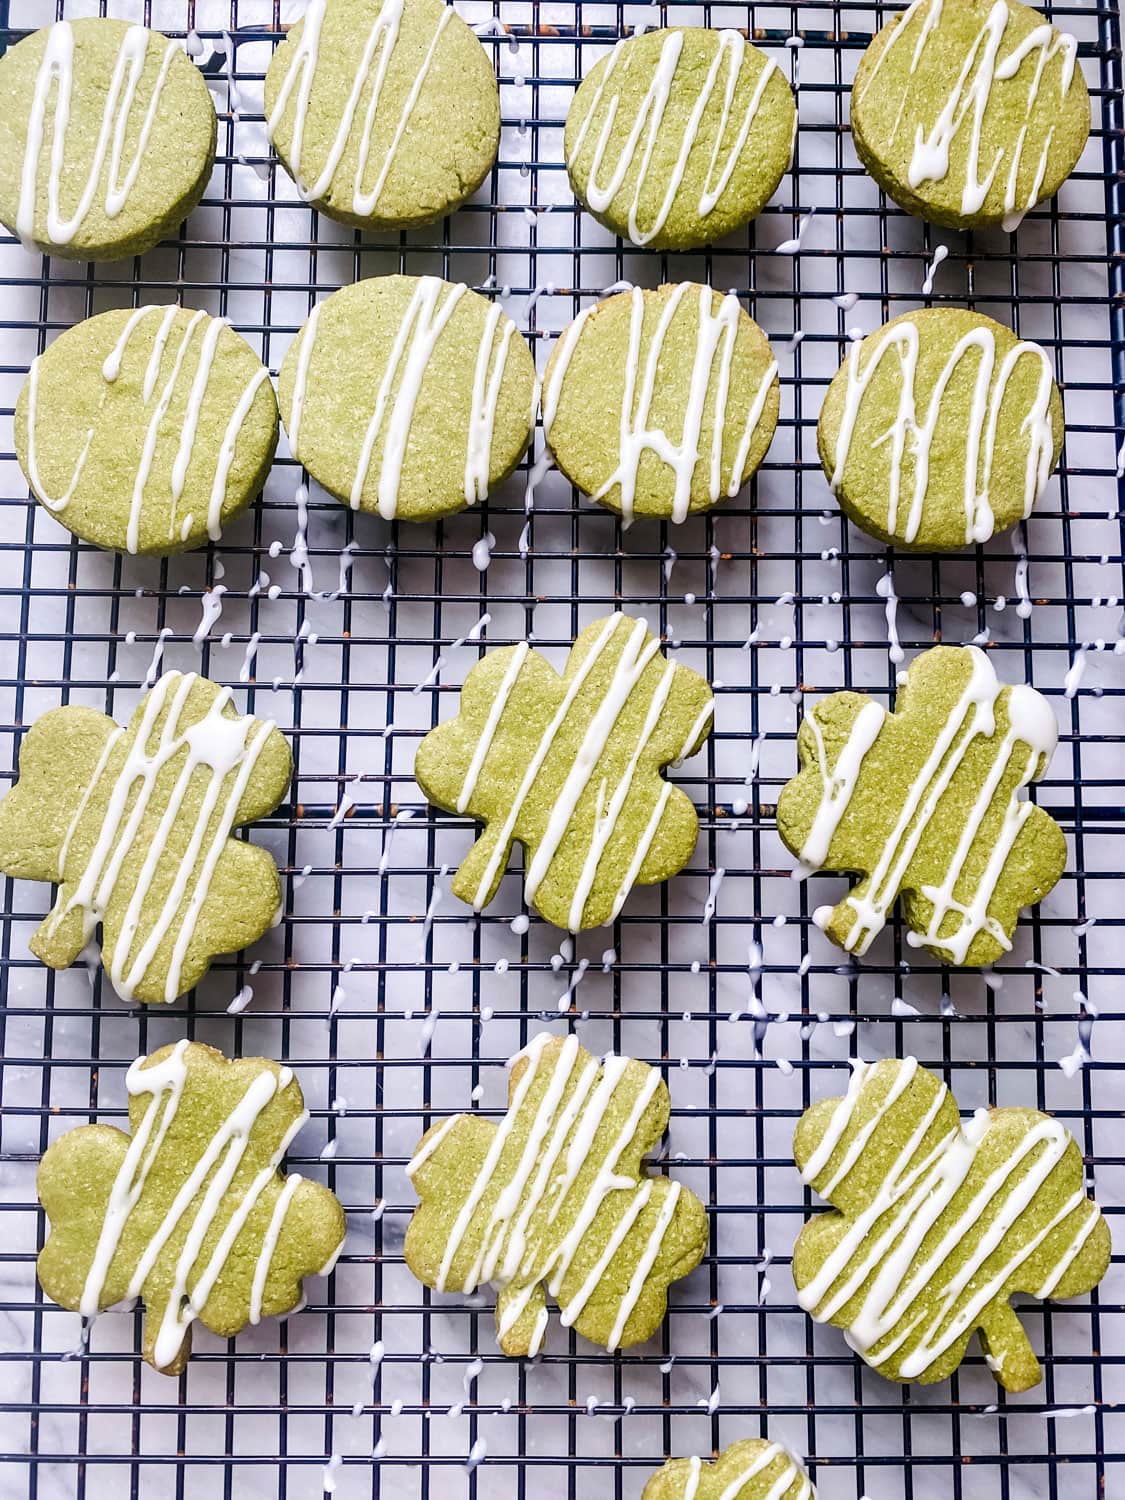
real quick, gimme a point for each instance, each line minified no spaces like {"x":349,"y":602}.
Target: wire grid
{"x":395,"y":1007}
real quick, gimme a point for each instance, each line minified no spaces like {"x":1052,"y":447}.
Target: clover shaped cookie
{"x":134,"y":826}
{"x":750,"y":1470}
{"x":189,"y":1211}
{"x":938,"y":1223}
{"x":925,"y":804}
{"x":570,"y":767}
{"x":553,"y":1201}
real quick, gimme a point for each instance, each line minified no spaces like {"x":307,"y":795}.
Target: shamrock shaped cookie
{"x":570,"y":767}
{"x":134,"y":827}
{"x":750,"y":1470}
{"x":553,"y":1201}
{"x":189,"y":1211}
{"x":925,"y":803}
{"x":939,"y":1223}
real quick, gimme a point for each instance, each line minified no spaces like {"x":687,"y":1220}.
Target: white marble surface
{"x":743,"y":1359}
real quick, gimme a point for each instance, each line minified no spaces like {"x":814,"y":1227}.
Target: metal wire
{"x":394,"y":1007}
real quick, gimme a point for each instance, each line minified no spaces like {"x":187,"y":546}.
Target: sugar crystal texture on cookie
{"x":569,"y":766}
{"x":134,"y":826}
{"x":147,"y":431}
{"x":385,"y":112}
{"x":925,"y":803}
{"x":189,"y":1210}
{"x":940,"y":429}
{"x":408,"y":396}
{"x":678,"y":137}
{"x":554,"y":1201}
{"x":661,"y":403}
{"x":970,"y":112}
{"x":107,"y":138}
{"x":938,"y":1223}
{"x":752,"y":1469}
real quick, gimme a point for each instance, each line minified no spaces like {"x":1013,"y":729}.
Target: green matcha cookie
{"x":408,"y":396}
{"x":107,"y":138}
{"x":677,"y":137}
{"x":386,"y":113}
{"x":924,"y":803}
{"x":661,"y":403}
{"x":938,"y":1224}
{"x":750,"y":1470}
{"x":554,"y":1202}
{"x":189,"y":1211}
{"x":969,"y":112}
{"x":147,"y":431}
{"x":134,"y":826}
{"x":939,"y":429}
{"x":570,"y":767}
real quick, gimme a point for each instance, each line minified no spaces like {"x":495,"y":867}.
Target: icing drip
{"x":649,"y":123}
{"x":712,"y":360}
{"x":56,"y":70}
{"x":226,"y":751}
{"x":792,"y":1474}
{"x":909,"y":436}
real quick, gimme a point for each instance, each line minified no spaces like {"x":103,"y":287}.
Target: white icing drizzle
{"x":56,"y":71}
{"x":518,"y":1248}
{"x":909,"y":436}
{"x":380,"y":44}
{"x":216,"y":744}
{"x":880,"y":1256}
{"x":212,"y":1174}
{"x":969,"y":101}
{"x":764,"y":1458}
{"x":713,"y":359}
{"x":839,"y":784}
{"x":649,"y":123}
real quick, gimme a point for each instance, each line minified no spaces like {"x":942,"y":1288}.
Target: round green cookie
{"x":661,"y":403}
{"x":677,"y":137}
{"x":386,"y":113}
{"x":408,"y":396}
{"x":147,"y":430}
{"x":969,"y":112}
{"x":107,"y":138}
{"x":940,"y":429}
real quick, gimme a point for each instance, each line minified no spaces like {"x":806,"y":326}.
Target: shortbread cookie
{"x":408,"y":396}
{"x":970,"y":112}
{"x":924,"y":803}
{"x":939,"y":429}
{"x":147,"y":431}
{"x":661,"y":403}
{"x":750,"y":1470}
{"x":569,"y":767}
{"x":189,"y":1210}
{"x":386,"y":113}
{"x":938,"y":1224}
{"x":107,"y":138}
{"x":134,"y":826}
{"x":677,"y":137}
{"x":554,"y":1201}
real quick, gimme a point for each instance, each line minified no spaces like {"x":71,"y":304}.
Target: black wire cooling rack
{"x":395,"y":1007}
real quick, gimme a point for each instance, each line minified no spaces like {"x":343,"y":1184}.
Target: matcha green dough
{"x":569,"y":767}
{"x":940,"y":429}
{"x":970,"y":112}
{"x":408,"y":396}
{"x":386,"y":113}
{"x":926,"y":803}
{"x":677,"y":137}
{"x":937,"y":1223}
{"x":661,"y":403}
{"x":187,"y":1210}
{"x":107,"y":138}
{"x":750,"y":1470}
{"x":147,"y":430}
{"x":554,"y":1201}
{"x":133,"y":826}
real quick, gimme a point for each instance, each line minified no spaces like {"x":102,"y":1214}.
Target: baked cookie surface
{"x":750,"y":1470}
